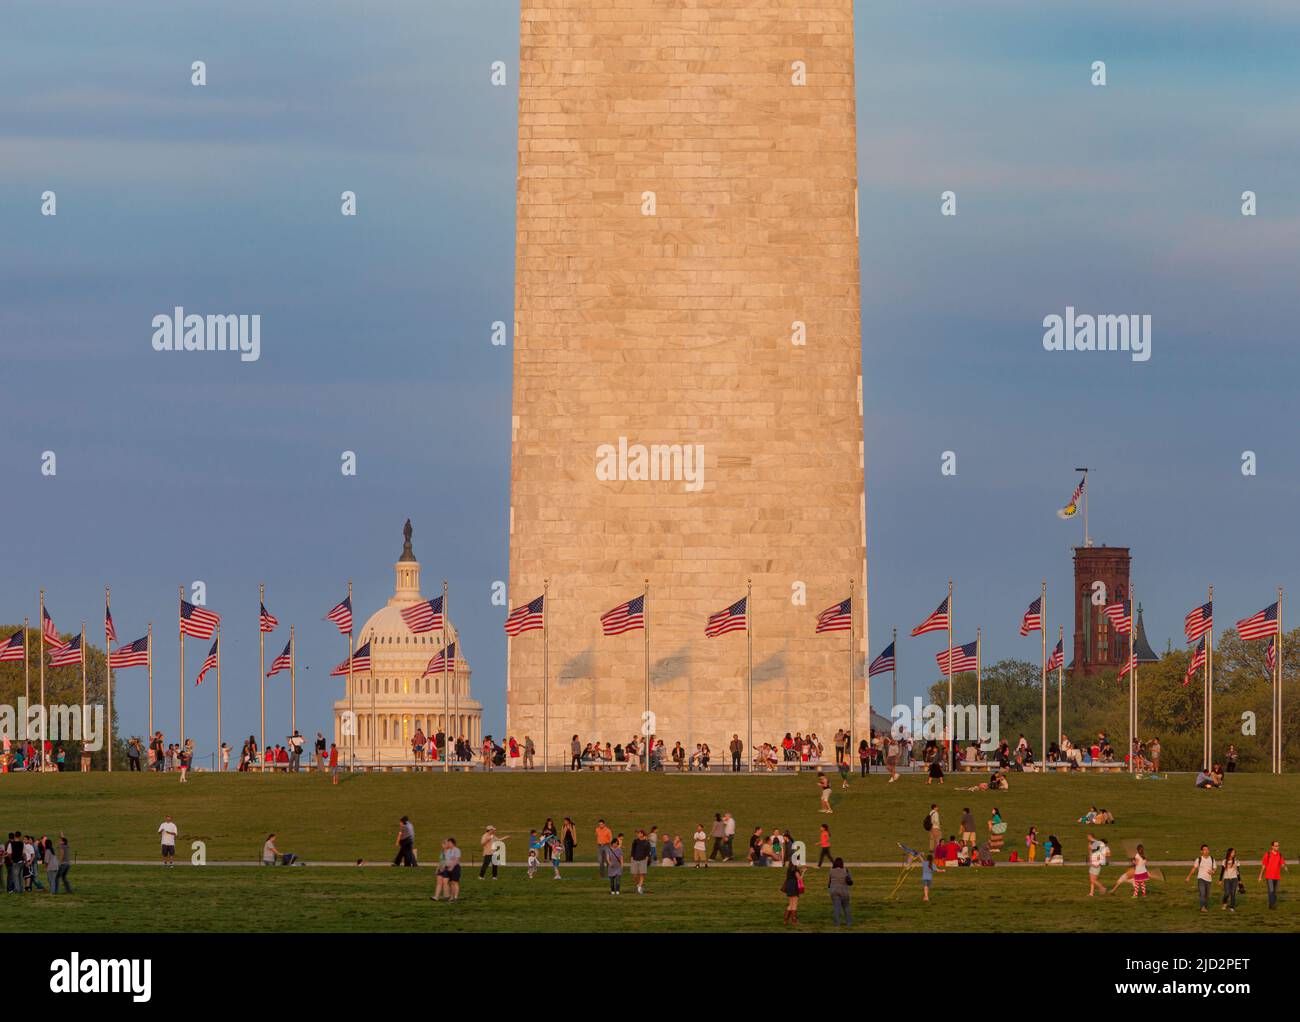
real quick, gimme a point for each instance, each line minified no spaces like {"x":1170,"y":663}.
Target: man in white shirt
{"x":729,"y":836}
{"x":168,"y":831}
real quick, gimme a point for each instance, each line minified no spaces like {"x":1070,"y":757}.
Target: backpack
{"x":928,"y":823}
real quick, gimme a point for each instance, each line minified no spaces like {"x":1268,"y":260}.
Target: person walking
{"x":824,"y":843}
{"x":1096,"y":860}
{"x":864,"y":756}
{"x":718,"y":831}
{"x":1230,"y":875}
{"x":792,"y":888}
{"x":640,"y":859}
{"x":838,"y":882}
{"x":891,"y":758}
{"x":405,"y":843}
{"x":824,"y":784}
{"x":530,"y":750}
{"x":1270,"y":872}
{"x":489,"y":842}
{"x":334,"y":763}
{"x":927,"y":876}
{"x":729,"y":837}
{"x":448,"y":872}
{"x":569,"y":835}
{"x":614,"y":864}
{"x":604,"y":836}
{"x":65,"y":864}
{"x":933,"y":826}
{"x":1203,"y":870}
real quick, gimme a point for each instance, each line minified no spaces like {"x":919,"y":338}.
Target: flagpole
{"x":1209,"y":686}
{"x":27,"y":672}
{"x":979,"y":677}
{"x":446,"y":695}
{"x":40,"y":663}
{"x":852,"y":729}
{"x":352,"y":700}
{"x":645,"y":718}
{"x":1060,"y":684}
{"x":749,"y":668}
{"x":218,"y":763}
{"x":1277,"y":712}
{"x":181,"y":632}
{"x":374,"y":714}
{"x":1042,"y":627}
{"x":83,"y":683}
{"x":149,"y":643}
{"x":108,"y":679}
{"x":546,"y":678}
{"x":261,"y":667}
{"x":947,"y":719}
{"x":1132,"y":678}
{"x":894,"y":694}
{"x":293,"y":680}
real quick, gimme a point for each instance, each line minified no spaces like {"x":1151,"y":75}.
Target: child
{"x":824,"y":841}
{"x":1031,"y":843}
{"x":1140,"y":872}
{"x":844,"y":769}
{"x":534,"y":848}
{"x":927,"y":876}
{"x":556,"y":850}
{"x":1097,"y":859}
{"x":823,"y":782}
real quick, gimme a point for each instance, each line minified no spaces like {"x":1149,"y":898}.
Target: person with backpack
{"x":1203,"y":870}
{"x":931,"y":824}
{"x":1230,"y":875}
{"x":838,"y":882}
{"x":1270,"y":872}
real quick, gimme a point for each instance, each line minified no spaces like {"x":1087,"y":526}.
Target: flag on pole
{"x":1120,"y":615}
{"x":1198,"y":661}
{"x":444,"y":660}
{"x":884,"y":663}
{"x":1033,"y":619}
{"x":133,"y":654}
{"x":964,"y":658}
{"x":526,"y":618}
{"x":68,"y":655}
{"x":1071,"y":509}
{"x":1257,"y":626}
{"x":1270,"y":655}
{"x":836,"y":618}
{"x":425,"y":616}
{"x":110,"y":629}
{"x":13,"y":647}
{"x":341,"y":615}
{"x":1130,"y":666}
{"x":209,"y":662}
{"x":285,"y":660}
{"x":626,"y":617}
{"x":360,"y":662}
{"x":198,"y":622}
{"x":936,"y":622}
{"x":1057,"y":659}
{"x":1198,"y":622}
{"x":266,"y":621}
{"x":731,"y":619}
{"x":51,"y":633}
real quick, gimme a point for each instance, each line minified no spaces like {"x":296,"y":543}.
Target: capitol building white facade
{"x":393,"y":699}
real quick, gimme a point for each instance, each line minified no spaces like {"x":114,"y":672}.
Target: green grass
{"x":116,"y":817}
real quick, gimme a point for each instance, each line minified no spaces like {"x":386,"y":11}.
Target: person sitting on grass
{"x":1052,"y":854}
{"x":1206,"y":780}
{"x":1216,"y":774}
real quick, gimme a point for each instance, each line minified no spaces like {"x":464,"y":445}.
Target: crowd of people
{"x":17,"y":756}
{"x":24,"y":856}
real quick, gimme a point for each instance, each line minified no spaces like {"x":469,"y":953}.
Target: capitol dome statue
{"x":392,"y":700}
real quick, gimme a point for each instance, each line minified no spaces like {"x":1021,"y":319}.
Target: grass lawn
{"x":116,"y":817}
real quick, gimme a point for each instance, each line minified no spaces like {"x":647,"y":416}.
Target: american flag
{"x":285,"y":661}
{"x":1198,"y":622}
{"x":442,"y":662}
{"x":68,"y":655}
{"x":1270,"y":655}
{"x":1130,"y":666}
{"x":1033,"y":619}
{"x":1120,"y":615}
{"x":110,"y":629}
{"x":1198,"y":661}
{"x":13,"y":647}
{"x":883,"y":663}
{"x":49,"y":631}
{"x":1057,"y":659}
{"x":526,"y":618}
{"x":133,"y":654}
{"x":198,"y":622}
{"x":425,"y":616}
{"x":836,"y":618}
{"x":1259,"y":625}
{"x":734,"y":619}
{"x":266,"y":621}
{"x":626,"y":617}
{"x":209,"y":662}
{"x":360,"y":662}
{"x":964,"y":658}
{"x":341,"y":615}
{"x":936,"y":622}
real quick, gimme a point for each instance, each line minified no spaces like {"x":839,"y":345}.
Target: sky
{"x":376,"y":328}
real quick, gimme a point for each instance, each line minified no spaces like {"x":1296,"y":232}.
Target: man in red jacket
{"x":1270,"y":870}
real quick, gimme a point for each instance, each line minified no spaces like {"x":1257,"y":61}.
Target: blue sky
{"x":375,"y":328}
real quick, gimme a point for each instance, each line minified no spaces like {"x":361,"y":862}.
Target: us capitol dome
{"x":391,"y":700}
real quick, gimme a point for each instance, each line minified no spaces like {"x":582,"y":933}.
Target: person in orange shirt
{"x":603,"y":838}
{"x":1270,"y":870}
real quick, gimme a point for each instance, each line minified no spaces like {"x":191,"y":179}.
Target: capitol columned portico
{"x":393,"y":698}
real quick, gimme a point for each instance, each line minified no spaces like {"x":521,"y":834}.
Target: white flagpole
{"x":108,"y":679}
{"x":261,"y":665}
{"x":446,"y":695}
{"x":1042,"y":628}
{"x":947,"y":726}
{"x":749,"y":661}
{"x":546,"y":676}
